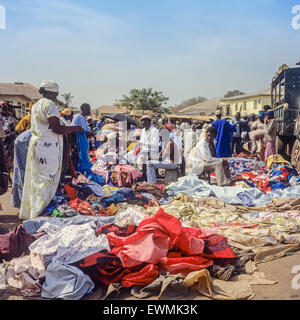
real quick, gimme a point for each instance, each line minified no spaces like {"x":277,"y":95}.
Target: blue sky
{"x":99,"y":50}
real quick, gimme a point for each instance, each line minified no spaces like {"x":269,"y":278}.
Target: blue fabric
{"x":245,"y":199}
{"x":197,"y":188}
{"x":20,"y":156}
{"x":84,"y":163}
{"x":99,"y":124}
{"x":98,"y":179}
{"x":127,"y":193}
{"x":116,"y":198}
{"x":95,"y":188}
{"x":223,"y":139}
{"x":80,"y":120}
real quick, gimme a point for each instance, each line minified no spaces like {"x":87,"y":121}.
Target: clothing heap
{"x":66,"y":258}
{"x":252,"y":173}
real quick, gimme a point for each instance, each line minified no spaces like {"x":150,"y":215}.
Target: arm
{"x":59,"y":129}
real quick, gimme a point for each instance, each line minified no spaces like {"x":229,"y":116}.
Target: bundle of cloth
{"x":276,"y":174}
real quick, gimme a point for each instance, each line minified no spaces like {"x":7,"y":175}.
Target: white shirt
{"x":150,"y":141}
{"x":203,"y":152}
{"x":178,"y":142}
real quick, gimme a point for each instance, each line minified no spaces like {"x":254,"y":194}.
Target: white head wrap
{"x":50,"y":85}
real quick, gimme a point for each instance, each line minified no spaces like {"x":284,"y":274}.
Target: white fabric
{"x":50,"y":85}
{"x":71,"y":243}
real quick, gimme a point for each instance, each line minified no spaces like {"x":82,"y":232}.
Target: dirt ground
{"x":279,"y":270}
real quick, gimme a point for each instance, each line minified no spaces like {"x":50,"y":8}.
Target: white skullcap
{"x":50,"y":85}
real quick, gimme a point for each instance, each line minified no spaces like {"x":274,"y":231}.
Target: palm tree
{"x":68,"y":98}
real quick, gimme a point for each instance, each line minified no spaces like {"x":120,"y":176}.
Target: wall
{"x":246,"y":105}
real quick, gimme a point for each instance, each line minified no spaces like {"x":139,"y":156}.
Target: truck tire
{"x":295,"y":159}
{"x":279,"y":146}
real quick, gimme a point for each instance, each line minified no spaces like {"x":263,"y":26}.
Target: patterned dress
{"x":44,"y":161}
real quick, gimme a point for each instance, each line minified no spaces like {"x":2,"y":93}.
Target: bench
{"x":171,"y":175}
{"x":206,"y":175}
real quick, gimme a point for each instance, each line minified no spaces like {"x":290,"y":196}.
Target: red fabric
{"x":216,"y":246}
{"x":185,"y":265}
{"x":191,"y":240}
{"x":71,"y":192}
{"x":136,"y":258}
{"x":151,"y":241}
{"x":142,"y":277}
{"x":83,"y":207}
{"x":106,"y":268}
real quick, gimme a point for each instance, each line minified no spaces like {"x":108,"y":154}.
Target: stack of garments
{"x":251,"y":173}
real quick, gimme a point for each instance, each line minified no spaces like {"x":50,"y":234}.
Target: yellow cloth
{"x":131,"y":146}
{"x":275,"y":159}
{"x":24,"y":124}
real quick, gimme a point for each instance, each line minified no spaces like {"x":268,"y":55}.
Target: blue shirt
{"x":80,"y":120}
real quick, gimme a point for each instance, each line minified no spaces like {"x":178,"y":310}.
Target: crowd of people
{"x":47,"y":147}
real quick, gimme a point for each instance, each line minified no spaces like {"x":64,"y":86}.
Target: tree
{"x":233,"y":93}
{"x":145,"y":99}
{"x":187,"y":103}
{"x":68,"y":98}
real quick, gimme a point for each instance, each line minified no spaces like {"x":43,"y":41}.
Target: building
{"x":246,"y":103}
{"x":204,"y":108}
{"x":19,"y":95}
{"x":109,"y":110}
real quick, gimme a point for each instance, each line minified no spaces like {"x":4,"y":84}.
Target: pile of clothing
{"x":251,"y":173}
{"x":66,"y":258}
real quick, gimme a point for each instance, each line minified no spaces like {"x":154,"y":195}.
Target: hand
{"x":78,"y":129}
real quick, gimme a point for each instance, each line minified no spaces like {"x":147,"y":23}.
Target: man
{"x":149,"y":143}
{"x":82,"y":158}
{"x":81,"y":118}
{"x":205,"y":158}
{"x":236,"y":142}
{"x":223,"y":137}
{"x":270,"y":134}
{"x":257,"y":135}
{"x":169,"y":157}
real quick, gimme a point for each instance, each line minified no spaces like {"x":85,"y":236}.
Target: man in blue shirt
{"x":82,"y":157}
{"x":80,"y":119}
{"x":224,"y":136}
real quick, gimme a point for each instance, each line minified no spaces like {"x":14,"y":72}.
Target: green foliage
{"x":68,"y":99}
{"x":187,"y":103}
{"x":233,"y":93}
{"x":145,"y":99}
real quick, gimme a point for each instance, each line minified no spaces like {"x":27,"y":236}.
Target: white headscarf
{"x":50,"y":85}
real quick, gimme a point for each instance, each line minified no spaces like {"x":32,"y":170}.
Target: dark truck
{"x":286,"y":104}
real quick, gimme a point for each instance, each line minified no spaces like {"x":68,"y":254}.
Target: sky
{"x":99,"y":50}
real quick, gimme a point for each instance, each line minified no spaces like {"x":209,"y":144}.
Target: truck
{"x":285,"y":97}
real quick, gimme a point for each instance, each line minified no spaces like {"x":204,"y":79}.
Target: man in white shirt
{"x":149,"y":141}
{"x":205,"y":158}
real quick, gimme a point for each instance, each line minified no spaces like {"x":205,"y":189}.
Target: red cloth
{"x":151,"y":241}
{"x":159,"y":242}
{"x":140,"y":278}
{"x":71,"y":192}
{"x":83,"y":207}
{"x":185,"y":265}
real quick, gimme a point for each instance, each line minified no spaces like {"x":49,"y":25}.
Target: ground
{"x":279,"y":270}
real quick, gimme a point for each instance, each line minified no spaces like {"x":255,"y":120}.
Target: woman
{"x":45,"y":153}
